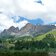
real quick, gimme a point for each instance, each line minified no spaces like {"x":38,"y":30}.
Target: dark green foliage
{"x":49,"y":40}
{"x":18,"y":45}
{"x":30,"y":45}
{"x":23,"y":43}
{"x":49,"y":37}
{"x":0,"y":41}
{"x":46,"y":43}
{"x":24,"y":54}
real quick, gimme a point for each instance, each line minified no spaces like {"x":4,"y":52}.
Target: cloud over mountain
{"x":28,"y":9}
{"x":6,"y":22}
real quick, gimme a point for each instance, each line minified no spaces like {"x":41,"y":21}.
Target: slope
{"x":43,"y":36}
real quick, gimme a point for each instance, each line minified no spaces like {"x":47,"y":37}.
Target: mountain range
{"x":28,"y":30}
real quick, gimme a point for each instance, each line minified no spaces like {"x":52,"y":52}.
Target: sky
{"x":18,"y":13}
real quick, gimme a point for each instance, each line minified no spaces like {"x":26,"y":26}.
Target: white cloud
{"x":6,"y":22}
{"x":32,"y":10}
{"x":31,"y":6}
{"x":28,"y":9}
{"x":22,"y":24}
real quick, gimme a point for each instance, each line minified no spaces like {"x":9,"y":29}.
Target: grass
{"x":43,"y":36}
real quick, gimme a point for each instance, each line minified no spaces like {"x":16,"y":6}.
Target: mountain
{"x":11,"y":31}
{"x":34,"y":30}
{"x":40,"y":37}
{"x":28,"y":30}
{"x":0,"y":31}
{"x":44,"y":28}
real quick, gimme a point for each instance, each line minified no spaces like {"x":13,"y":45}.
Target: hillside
{"x":41,"y":43}
{"x":43,"y":36}
{"x":37,"y":38}
{"x":40,"y":37}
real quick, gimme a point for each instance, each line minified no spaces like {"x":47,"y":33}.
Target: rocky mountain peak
{"x":13,"y":29}
{"x":28,"y":30}
{"x":28,"y":26}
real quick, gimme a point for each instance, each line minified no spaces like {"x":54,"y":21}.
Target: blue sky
{"x":35,"y":21}
{"x":20,"y":12}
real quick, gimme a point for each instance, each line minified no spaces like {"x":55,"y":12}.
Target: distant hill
{"x":43,"y":36}
{"x":28,"y":30}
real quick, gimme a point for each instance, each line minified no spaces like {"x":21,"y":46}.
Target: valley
{"x":39,"y":40}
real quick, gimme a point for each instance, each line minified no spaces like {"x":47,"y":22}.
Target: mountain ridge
{"x":28,"y":30}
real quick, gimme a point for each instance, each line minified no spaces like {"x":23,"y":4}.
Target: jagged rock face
{"x":41,"y":29}
{"x":44,"y":28}
{"x":28,"y":29}
{"x":4,"y":33}
{"x":11,"y":31}
{"x":34,"y":30}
